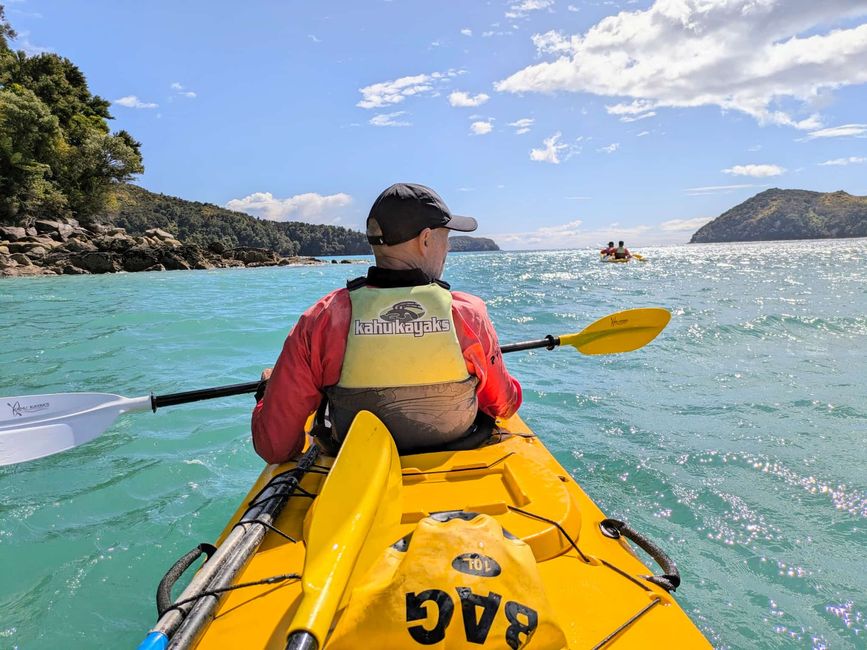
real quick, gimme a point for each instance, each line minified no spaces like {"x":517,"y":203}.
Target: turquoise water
{"x":736,"y":439}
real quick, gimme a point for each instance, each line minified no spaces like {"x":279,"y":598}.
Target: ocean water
{"x":736,"y":439}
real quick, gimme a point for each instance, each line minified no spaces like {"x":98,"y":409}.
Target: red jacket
{"x":312,"y":358}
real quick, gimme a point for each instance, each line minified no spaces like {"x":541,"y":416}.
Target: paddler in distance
{"x":608,"y":250}
{"x":621,"y":252}
{"x":398,"y":343}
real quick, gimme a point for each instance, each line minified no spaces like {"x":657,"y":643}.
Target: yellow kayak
{"x":494,"y":547}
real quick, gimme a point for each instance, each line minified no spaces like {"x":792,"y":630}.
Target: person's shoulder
{"x":335,"y":299}
{"x":467,"y":302}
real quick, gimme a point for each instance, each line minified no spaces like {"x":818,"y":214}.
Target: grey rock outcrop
{"x":64,"y":246}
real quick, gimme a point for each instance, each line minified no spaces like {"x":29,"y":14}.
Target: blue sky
{"x":555,"y":123}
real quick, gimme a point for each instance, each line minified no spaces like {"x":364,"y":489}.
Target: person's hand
{"x":266,"y":374}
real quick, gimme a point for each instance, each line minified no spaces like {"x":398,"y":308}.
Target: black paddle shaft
{"x":549,"y":342}
{"x":172,"y":399}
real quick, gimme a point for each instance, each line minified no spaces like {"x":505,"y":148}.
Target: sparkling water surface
{"x":736,"y":439}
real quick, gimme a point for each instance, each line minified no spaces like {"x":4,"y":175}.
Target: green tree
{"x":30,"y":143}
{"x":57,"y":153}
{"x":6,"y":31}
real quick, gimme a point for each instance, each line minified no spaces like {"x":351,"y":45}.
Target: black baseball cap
{"x":405,"y":209}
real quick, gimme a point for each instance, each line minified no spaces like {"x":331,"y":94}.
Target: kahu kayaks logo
{"x":403,"y":312}
{"x":20,"y":410}
{"x":403,"y":317}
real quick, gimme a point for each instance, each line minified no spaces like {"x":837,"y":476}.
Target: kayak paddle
{"x":34,"y":426}
{"x":359,"y":501}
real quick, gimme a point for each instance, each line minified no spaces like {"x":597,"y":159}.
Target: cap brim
{"x":462,"y":224}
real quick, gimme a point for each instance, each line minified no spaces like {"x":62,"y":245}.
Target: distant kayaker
{"x":621,"y":252}
{"x":608,"y":250}
{"x":397,"y":342}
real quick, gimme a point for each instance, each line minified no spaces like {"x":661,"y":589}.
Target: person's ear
{"x":424,"y":237}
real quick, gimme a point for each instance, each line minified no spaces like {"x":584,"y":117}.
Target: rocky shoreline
{"x":64,"y":246}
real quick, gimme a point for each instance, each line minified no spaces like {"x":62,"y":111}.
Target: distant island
{"x":464,"y":244}
{"x":789,"y":214}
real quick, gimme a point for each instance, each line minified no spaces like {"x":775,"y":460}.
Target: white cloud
{"x":521,"y":9}
{"x":481,"y":128}
{"x":182,"y":91}
{"x":851,"y":160}
{"x":461,"y":99}
{"x":642,"y":134}
{"x":752,"y":56}
{"x":572,"y":8}
{"x":387,"y":93}
{"x":131,"y":101}
{"x":22,"y":42}
{"x":389,"y":119}
{"x":466,"y":31}
{"x":611,"y":148}
{"x":757,"y":171}
{"x":571,"y":235}
{"x":551,"y":152}
{"x":688,"y":225}
{"x":718,"y":189}
{"x":523,"y":125}
{"x":314,"y":38}
{"x":842,"y":131}
{"x":643,"y":116}
{"x":309,"y":207}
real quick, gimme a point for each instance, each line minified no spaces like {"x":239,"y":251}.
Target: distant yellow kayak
{"x":495,"y":547}
{"x":611,"y":258}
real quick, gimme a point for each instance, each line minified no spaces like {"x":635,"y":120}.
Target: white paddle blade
{"x":35,"y":426}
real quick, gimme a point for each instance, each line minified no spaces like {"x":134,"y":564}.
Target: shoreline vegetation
{"x":64,"y":246}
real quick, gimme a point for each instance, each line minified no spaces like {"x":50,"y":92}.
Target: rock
{"x":118,"y":242}
{"x":69,"y":269}
{"x":159,"y":233}
{"x":254,"y":255}
{"x":22,"y":271}
{"x":4,"y":250}
{"x":21,"y":259}
{"x":37,"y":252}
{"x":334,"y":261}
{"x":173,"y":262}
{"x":12,"y":233}
{"x":46,"y":226}
{"x":79,"y":246}
{"x":96,"y":262}
{"x":6,"y":262}
{"x":138,"y":258}
{"x":156,"y":267}
{"x":217,"y":247}
{"x":32,"y":232}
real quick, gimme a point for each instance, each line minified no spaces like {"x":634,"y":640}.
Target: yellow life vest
{"x":403,"y":336}
{"x":404,"y":363}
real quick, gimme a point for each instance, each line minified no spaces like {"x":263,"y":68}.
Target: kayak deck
{"x":593,"y":583}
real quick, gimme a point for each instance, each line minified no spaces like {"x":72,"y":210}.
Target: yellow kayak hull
{"x":597,"y":594}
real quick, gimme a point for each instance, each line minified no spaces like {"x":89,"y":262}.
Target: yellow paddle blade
{"x":354,"y":517}
{"x":623,"y":331}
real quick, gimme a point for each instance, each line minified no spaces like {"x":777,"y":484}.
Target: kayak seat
{"x":483,"y":429}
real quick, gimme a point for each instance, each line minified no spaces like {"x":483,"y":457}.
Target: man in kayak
{"x":608,"y":250}
{"x":621,"y":252}
{"x":397,"y":342}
